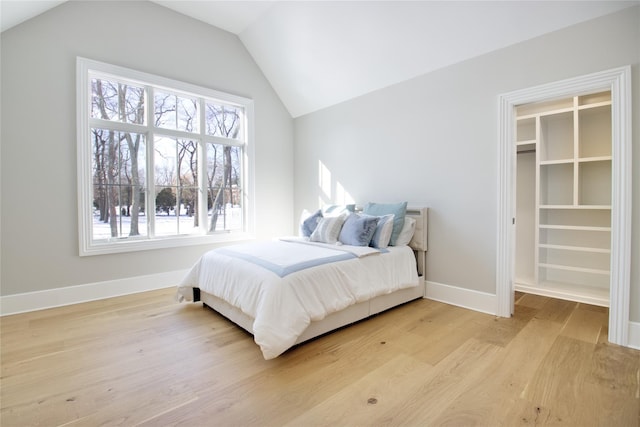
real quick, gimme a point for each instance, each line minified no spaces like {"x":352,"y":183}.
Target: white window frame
{"x":87,"y":246}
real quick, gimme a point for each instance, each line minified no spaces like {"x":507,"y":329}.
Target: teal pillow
{"x":399,"y":210}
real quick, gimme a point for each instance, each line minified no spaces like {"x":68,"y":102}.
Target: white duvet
{"x":284,"y":306}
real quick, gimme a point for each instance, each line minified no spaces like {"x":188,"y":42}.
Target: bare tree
{"x":188,"y":150}
{"x":133,"y":144}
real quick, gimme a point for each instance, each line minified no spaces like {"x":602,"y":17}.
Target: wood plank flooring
{"x":146,"y":360}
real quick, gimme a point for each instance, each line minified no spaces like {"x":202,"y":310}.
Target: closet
{"x":563,"y":198}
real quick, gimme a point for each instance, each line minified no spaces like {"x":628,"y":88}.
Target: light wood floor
{"x":147,"y":360}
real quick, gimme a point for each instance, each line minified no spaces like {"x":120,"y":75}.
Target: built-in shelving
{"x":575,"y":248}
{"x":569,"y":144}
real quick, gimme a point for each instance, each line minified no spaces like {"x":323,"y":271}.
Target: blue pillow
{"x":358,"y":230}
{"x":308,"y":226}
{"x":399,"y":210}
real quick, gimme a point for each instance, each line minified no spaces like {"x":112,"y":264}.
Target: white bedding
{"x":283,"y":307}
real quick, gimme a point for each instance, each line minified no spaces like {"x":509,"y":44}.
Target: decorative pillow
{"x":358,"y":229}
{"x":406,"y":234}
{"x":382,"y":235}
{"x":309,"y":222}
{"x":399,"y":210}
{"x":328,"y":229}
{"x":335,"y":210}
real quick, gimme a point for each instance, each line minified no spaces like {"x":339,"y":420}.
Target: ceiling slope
{"x":14,"y":12}
{"x":317,"y":54}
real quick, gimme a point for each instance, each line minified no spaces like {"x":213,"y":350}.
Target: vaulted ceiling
{"x":319,"y":53}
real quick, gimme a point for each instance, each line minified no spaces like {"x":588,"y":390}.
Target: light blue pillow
{"x":382,"y":235}
{"x":328,"y":229}
{"x":358,"y":229}
{"x":335,"y":210}
{"x":309,"y":224}
{"x":399,"y":210}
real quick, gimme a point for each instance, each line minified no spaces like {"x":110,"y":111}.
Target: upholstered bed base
{"x":333,"y":321}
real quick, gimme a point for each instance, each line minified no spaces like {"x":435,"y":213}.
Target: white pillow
{"x":406,"y":234}
{"x":328,"y":229}
{"x":382,"y":235}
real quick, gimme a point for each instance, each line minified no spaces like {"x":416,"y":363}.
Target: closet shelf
{"x":579,"y":159}
{"x":594,"y":105}
{"x":546,"y":113}
{"x":571,"y":268}
{"x":594,"y":207}
{"x":526,"y":146}
{"x":594,"y":159}
{"x":575,"y":248}
{"x":567,"y":291}
{"x":556,"y":162}
{"x":527,"y":142}
{"x":574,"y":227}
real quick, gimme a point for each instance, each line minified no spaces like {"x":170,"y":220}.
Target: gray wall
{"x":433,"y":140}
{"x":39,"y":204}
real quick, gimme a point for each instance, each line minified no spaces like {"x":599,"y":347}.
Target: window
{"x":161,"y":163}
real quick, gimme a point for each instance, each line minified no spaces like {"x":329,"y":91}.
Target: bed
{"x":275,"y":292}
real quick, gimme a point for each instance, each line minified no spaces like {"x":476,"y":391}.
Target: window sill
{"x":161,"y":243}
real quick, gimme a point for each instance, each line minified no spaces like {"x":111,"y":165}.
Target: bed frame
{"x":352,"y":313}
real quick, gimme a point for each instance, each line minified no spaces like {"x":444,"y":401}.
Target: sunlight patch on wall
{"x":324,"y":182}
{"x":331,"y":191}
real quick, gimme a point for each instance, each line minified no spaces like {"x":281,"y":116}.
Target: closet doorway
{"x":564,"y":220}
{"x":563,"y":198}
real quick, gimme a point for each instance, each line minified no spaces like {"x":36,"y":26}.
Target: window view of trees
{"x":133,"y":159}
{"x":118,"y":157}
{"x":223,"y":183}
{"x":223,"y":161}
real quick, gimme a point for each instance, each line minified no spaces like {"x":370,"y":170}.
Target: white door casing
{"x":618,"y":81}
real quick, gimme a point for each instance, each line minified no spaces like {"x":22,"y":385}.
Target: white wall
{"x":39,"y":205}
{"x":433,"y":140}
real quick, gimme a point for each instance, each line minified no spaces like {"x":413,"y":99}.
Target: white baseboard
{"x":461,"y":297}
{"x":39,"y":300}
{"x":634,"y":335}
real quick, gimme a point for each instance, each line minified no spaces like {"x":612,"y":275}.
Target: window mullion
{"x":118,"y":139}
{"x":151,"y":178}
{"x":173,"y":133}
{"x":223,"y":141}
{"x":203,"y":200}
{"x":178,"y":188}
{"x":116,"y":126}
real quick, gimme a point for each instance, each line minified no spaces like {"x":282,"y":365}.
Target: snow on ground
{"x":165,"y":225}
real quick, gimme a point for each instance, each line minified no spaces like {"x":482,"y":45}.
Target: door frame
{"x":618,"y":81}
